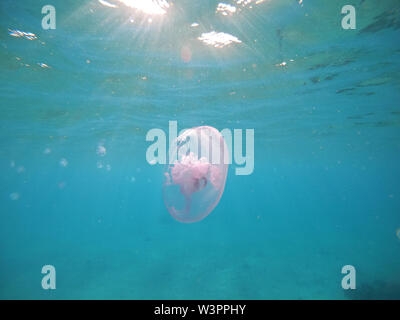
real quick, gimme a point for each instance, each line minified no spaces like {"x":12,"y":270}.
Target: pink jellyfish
{"x":195,"y":180}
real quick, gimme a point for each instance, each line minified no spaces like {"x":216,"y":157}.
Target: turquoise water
{"x":325,"y":191}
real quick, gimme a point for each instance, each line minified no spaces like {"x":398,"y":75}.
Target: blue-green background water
{"x":325,"y":191}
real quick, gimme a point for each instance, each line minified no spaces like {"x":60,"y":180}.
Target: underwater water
{"x":77,"y":193}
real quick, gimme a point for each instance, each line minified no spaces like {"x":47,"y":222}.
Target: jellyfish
{"x":195,"y":180}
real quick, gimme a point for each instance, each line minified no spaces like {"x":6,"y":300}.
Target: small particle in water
{"x":88,"y":61}
{"x":21,"y":169}
{"x":282,"y":64}
{"x":99,"y":165}
{"x":101,"y":150}
{"x":150,"y":20}
{"x":144,"y":78}
{"x":398,"y":233}
{"x":43,"y":65}
{"x":14,"y":196}
{"x":12,"y":164}
{"x":63,"y":162}
{"x":194,"y":24}
{"x":108,"y":167}
{"x":47,"y":151}
{"x":133,"y":179}
{"x":61,"y":185}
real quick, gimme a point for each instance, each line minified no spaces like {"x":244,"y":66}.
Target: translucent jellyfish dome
{"x":196,"y":175}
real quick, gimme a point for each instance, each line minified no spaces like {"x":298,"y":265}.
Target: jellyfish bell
{"x":196,"y":174}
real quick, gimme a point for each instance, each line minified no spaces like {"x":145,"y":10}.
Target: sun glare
{"x":156,"y":7}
